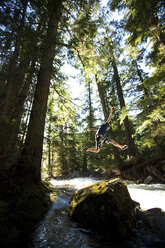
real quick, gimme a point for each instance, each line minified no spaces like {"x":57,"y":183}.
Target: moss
{"x":105,"y":207}
{"x":22,"y":206}
{"x":96,"y":188}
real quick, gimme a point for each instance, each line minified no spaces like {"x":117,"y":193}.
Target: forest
{"x":117,"y":49}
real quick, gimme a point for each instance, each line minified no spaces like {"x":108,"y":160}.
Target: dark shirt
{"x":102,"y":129}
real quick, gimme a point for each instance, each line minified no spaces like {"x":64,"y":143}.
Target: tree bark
{"x":11,"y":83}
{"x":63,"y":157}
{"x":49,"y":149}
{"x":106,"y":114}
{"x":14,"y":89}
{"x":91,"y":111}
{"x":131,"y":146}
{"x":32,"y":153}
{"x":17,"y":114}
{"x":84,"y":164}
{"x":15,"y":80}
{"x":9,"y":120}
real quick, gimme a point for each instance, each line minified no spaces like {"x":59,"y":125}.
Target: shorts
{"x":100,"y":140}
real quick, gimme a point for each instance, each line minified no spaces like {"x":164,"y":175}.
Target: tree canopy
{"x":42,"y":130}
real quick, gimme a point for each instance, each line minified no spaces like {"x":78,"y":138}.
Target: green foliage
{"x":143,"y":20}
{"x":144,"y":23}
{"x":123,"y":114}
{"x":61,"y":143}
{"x":92,"y":42}
{"x":152,"y":117}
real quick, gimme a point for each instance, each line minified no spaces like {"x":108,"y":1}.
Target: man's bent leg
{"x":96,"y":150}
{"x":113,"y":142}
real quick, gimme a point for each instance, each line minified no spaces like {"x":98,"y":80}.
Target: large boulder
{"x":106,"y":207}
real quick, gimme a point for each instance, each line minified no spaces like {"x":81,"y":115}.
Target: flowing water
{"x":57,"y":231}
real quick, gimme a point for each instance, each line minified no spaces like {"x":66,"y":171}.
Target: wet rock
{"x":106,"y":207}
{"x":148,"y":179}
{"x":156,"y":220}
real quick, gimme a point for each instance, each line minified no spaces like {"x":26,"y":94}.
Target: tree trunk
{"x":84,"y":164}
{"x":157,"y":29}
{"x":8,"y":125}
{"x":14,"y":89}
{"x":63,"y":157}
{"x":49,"y":156}
{"x":52,"y":162}
{"x":91,"y":112}
{"x":49,"y":149}
{"x":145,"y":90}
{"x":138,"y":71}
{"x":130,"y":142}
{"x":32,"y":153}
{"x":28,"y":112}
{"x":106,"y":114}
{"x":14,"y":83}
{"x":18,"y":109}
{"x":11,"y":82}
{"x":10,"y":148}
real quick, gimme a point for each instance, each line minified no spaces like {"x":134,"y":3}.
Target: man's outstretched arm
{"x":91,"y":129}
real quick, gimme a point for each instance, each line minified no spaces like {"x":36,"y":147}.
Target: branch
{"x":65,"y":100}
{"x":71,"y":46}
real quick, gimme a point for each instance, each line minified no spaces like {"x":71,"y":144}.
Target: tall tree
{"x":13,"y":80}
{"x":90,"y":122}
{"x":32,"y":153}
{"x":145,"y":21}
{"x":130,"y":142}
{"x":106,"y":114}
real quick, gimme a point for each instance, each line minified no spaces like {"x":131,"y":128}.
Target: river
{"x":57,"y":231}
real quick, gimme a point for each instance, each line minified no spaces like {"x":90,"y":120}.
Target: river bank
{"x":56,"y":229}
{"x":23,"y":204}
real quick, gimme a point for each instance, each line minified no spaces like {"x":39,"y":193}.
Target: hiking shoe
{"x":125,"y":147}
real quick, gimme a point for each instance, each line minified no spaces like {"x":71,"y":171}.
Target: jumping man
{"x":100,"y":139}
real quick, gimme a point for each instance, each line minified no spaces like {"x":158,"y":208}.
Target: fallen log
{"x":149,"y":162}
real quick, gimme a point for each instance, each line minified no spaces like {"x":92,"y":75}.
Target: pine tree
{"x":106,"y":114}
{"x":89,"y":121}
{"x":130,"y":142}
{"x":32,"y":153}
{"x":145,"y":21}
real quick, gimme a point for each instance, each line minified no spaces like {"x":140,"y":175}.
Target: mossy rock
{"x":106,"y":207}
